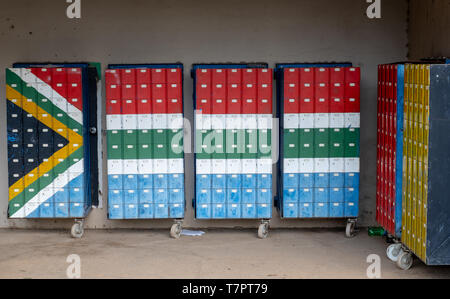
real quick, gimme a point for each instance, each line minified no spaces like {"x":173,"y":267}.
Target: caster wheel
{"x":350,"y":229}
{"x":390,"y":239}
{"x":77,"y":230}
{"x":405,"y":260}
{"x":263,"y":230}
{"x":393,"y":251}
{"x":175,"y":231}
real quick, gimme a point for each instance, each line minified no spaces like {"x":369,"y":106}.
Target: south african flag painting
{"x":49,"y":152}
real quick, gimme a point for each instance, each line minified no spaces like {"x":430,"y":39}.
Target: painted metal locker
{"x":426,"y":166}
{"x":145,"y":121}
{"x":318,"y":107}
{"x":233,"y":142}
{"x":52,"y":141}
{"x":390,"y":104}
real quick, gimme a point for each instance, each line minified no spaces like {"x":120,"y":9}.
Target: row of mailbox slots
{"x":230,"y":195}
{"x":233,"y":75}
{"x":51,"y":209}
{"x":234,"y":105}
{"x":204,"y":211}
{"x":222,"y":181}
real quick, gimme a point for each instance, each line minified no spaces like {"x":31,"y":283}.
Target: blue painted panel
{"x":306,"y":194}
{"x":321,"y":180}
{"x":161,"y":210}
{"x":281,"y":66}
{"x":130,"y":182}
{"x":176,"y":181}
{"x":352,"y":180}
{"x":203,"y":181}
{"x":337,"y":209}
{"x":76,"y":210}
{"x":249,"y":196}
{"x":115,"y":182}
{"x":248,"y":211}
{"x":176,"y":210}
{"x":61,"y":195}
{"x":219,"y":196}
{"x":264,"y":196}
{"x":131,"y":211}
{"x":130,"y":197}
{"x":351,"y":195}
{"x":204,"y":196}
{"x":306,"y":180}
{"x":115,"y":197}
{"x":248,"y":180}
{"x":290,"y":195}
{"x":219,"y":211}
{"x":61,"y":210}
{"x":28,"y":65}
{"x":291,"y":180}
{"x":336,"y":195}
{"x":203,"y":211}
{"x":160,"y":196}
{"x":146,"y":196}
{"x":351,"y":209}
{"x":219,"y":181}
{"x":264,"y":211}
{"x":234,"y":181}
{"x":145,"y":181}
{"x":77,"y":182}
{"x":176,"y":196}
{"x":115,"y":211}
{"x":35,"y":213}
{"x":264,"y":181}
{"x":290,"y":210}
{"x":306,"y":210}
{"x":160,"y":181}
{"x":399,"y":146}
{"x":233,"y":210}
{"x":321,"y":209}
{"x":234,"y":196}
{"x":47,"y":210}
{"x":76,"y":195}
{"x":337,"y":180}
{"x":146,"y":210}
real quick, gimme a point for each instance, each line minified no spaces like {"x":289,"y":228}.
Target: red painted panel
{"x":128,"y":91}
{"x":74,"y":75}
{"x":59,"y":74}
{"x":265,"y":76}
{"x":128,"y":76}
{"x":158,"y":76}
{"x":322,"y":75}
{"x":234,"y":76}
{"x":113,"y":92}
{"x":249,"y":76}
{"x":113,"y":107}
{"x":143,"y":76}
{"x":174,"y":76}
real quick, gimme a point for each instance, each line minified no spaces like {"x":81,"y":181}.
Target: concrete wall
{"x":192,"y":31}
{"x":428,"y":30}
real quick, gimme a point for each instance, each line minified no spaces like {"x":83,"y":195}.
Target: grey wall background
{"x":429,"y":22}
{"x":193,"y":31}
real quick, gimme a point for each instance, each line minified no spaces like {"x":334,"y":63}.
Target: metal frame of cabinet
{"x":318,"y":106}
{"x":52,"y":153}
{"x":145,"y":131}
{"x":233,"y":174}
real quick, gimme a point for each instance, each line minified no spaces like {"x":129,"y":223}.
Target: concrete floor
{"x":236,"y":253}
